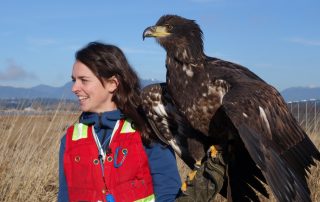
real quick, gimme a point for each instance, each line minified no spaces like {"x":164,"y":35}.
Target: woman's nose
{"x":75,"y":87}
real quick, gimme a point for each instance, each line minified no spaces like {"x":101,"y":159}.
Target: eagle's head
{"x":180,"y":37}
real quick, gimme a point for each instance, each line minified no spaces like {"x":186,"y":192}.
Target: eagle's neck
{"x":184,"y":81}
{"x":186,"y":53}
{"x":182,"y":75}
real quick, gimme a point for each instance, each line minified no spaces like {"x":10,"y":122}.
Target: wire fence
{"x":306,"y":113}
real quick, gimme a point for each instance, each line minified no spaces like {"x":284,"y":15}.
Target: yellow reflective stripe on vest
{"x":126,"y":128}
{"x":150,"y":198}
{"x":80,"y":131}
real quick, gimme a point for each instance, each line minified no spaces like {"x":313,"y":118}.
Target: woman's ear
{"x":112,"y":84}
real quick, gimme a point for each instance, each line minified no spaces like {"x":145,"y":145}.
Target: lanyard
{"x":102,"y":154}
{"x":102,"y":157}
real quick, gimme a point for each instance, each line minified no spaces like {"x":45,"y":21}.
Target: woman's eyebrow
{"x":80,"y":77}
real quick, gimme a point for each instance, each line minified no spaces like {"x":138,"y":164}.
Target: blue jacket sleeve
{"x":164,"y":172}
{"x":63,"y":189}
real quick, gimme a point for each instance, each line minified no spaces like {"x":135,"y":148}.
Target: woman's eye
{"x":84,"y":81}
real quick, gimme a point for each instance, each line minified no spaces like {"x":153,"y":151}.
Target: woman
{"x":108,"y":155}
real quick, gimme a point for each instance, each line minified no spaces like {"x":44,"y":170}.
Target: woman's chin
{"x":84,"y":108}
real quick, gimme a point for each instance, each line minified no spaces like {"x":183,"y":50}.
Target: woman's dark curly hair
{"x":105,"y":61}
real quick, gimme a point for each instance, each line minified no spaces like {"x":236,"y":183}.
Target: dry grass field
{"x":29,"y":156}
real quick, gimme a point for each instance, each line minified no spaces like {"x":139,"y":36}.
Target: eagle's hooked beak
{"x":155,"y":31}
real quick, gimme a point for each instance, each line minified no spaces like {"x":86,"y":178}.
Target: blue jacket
{"x":162,"y":162}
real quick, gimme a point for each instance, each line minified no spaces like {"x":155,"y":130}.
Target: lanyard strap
{"x":102,"y":154}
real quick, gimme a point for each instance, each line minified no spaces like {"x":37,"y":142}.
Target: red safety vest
{"x":126,"y":168}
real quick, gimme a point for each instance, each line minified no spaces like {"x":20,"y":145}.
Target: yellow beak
{"x":155,"y":31}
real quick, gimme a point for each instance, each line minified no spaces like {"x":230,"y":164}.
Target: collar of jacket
{"x":104,"y":120}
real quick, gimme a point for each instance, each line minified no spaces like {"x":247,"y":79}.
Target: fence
{"x":306,"y":113}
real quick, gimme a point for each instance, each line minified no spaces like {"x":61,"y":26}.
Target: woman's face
{"x":92,"y":95}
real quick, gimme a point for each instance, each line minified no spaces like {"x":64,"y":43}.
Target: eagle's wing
{"x":274,"y":140}
{"x":169,"y":125}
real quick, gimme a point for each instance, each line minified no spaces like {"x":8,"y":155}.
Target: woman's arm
{"x":164,"y":172}
{"x":63,"y":189}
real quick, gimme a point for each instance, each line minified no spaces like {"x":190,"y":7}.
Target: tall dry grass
{"x":29,"y":156}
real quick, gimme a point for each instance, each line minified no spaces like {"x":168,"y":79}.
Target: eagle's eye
{"x":169,"y":27}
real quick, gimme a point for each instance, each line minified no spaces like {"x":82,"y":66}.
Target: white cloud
{"x":15,"y":72}
{"x":306,"y":42}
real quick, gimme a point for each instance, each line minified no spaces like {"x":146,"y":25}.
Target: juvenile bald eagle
{"x":208,"y":101}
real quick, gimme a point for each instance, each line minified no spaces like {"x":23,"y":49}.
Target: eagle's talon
{"x":191,"y":175}
{"x":184,"y":187}
{"x":212,"y":152}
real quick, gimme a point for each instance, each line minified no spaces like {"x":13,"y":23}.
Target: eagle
{"x":208,"y":101}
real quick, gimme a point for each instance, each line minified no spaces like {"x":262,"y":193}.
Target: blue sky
{"x":277,"y":39}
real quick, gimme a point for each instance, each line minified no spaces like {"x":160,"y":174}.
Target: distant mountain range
{"x":45,"y":91}
{"x":40,"y":91}
{"x":301,"y":93}
{"x":64,"y":92}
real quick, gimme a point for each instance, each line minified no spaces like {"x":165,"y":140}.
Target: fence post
{"x":290,"y":103}
{"x":306,"y":115}
{"x":298,"y":113}
{"x":315,"y":116}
